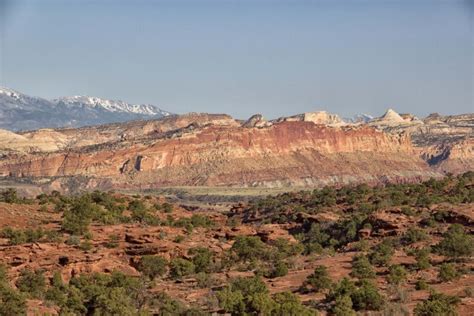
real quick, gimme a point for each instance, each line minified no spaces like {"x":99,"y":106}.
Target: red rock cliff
{"x":299,"y":153}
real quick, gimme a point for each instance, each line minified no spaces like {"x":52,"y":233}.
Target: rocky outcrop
{"x":319,"y":117}
{"x":392,"y":119}
{"x":256,"y":120}
{"x":453,"y":157}
{"x":444,"y":142}
{"x":286,"y":153}
{"x":311,"y":149}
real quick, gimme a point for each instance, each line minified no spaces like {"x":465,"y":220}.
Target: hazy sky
{"x":245,"y":57}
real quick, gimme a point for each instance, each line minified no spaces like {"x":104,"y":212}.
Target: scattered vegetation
{"x":319,"y":280}
{"x":397,"y":274}
{"x":448,"y":272}
{"x":361,"y":268}
{"x":351,"y":221}
{"x":437,"y":304}
{"x":456,"y":243}
{"x":363,"y":295}
{"x":152,"y":266}
{"x":248,"y":296}
{"x":12,"y":302}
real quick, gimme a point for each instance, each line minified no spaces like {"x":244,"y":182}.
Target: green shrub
{"x":288,"y":304}
{"x":32,"y":282}
{"x":56,"y":293}
{"x":361,"y":268}
{"x":138,"y":209}
{"x":362,"y":245}
{"x":315,"y":239}
{"x":414,"y":235}
{"x":343,"y":306}
{"x":423,"y":258}
{"x":382,"y":253}
{"x":152,"y":266}
{"x":344,"y":287}
{"x":279,"y":269}
{"x":364,"y":295}
{"x":437,"y":305}
{"x":205,"y":280}
{"x":367,"y":297}
{"x":318,"y":280}
{"x":104,"y":294}
{"x":114,"y":301}
{"x":11,"y":302}
{"x":76,"y":219}
{"x":246,"y":296}
{"x":201,"y":221}
{"x":456,"y":243}
{"x":201,"y":258}
{"x":168,"y":306}
{"x":248,"y":248}
{"x":18,"y":236}
{"x":448,"y":272}
{"x":140,"y":213}
{"x":113,"y":241}
{"x":285,"y":248}
{"x":180,"y":267}
{"x":397,"y":274}
{"x":421,"y":284}
{"x":10,"y":196}
{"x":231,"y":301}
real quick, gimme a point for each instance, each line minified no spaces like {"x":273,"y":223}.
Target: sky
{"x":241,"y":57}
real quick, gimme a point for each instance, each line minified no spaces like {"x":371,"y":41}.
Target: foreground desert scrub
{"x":392,"y":249}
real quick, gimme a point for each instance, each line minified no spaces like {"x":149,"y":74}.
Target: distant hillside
{"x":22,"y":112}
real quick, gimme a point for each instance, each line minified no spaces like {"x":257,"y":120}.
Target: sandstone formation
{"x":444,"y":142}
{"x":320,"y":117}
{"x":287,"y":153}
{"x":311,"y":149}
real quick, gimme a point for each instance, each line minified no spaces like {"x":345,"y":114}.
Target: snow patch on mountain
{"x":112,"y":105}
{"x":19,"y":111}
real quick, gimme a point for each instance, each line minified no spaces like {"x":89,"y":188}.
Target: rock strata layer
{"x":313,"y":149}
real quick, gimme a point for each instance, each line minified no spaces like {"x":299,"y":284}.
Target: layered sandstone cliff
{"x":222,"y":152}
{"x":444,"y":142}
{"x":312,"y":149}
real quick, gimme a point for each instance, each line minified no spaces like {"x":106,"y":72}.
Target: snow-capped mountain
{"x":111,"y":105}
{"x":19,"y":111}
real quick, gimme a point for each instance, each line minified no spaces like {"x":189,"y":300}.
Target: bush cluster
{"x":250,"y":296}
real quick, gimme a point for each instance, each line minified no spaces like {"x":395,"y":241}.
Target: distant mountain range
{"x":19,"y":111}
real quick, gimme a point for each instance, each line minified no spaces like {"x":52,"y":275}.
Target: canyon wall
{"x":285,"y":153}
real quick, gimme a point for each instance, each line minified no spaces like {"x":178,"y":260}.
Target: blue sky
{"x":243,"y":57}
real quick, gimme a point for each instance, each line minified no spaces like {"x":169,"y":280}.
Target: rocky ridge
{"x":310,"y":149}
{"x":19,"y":111}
